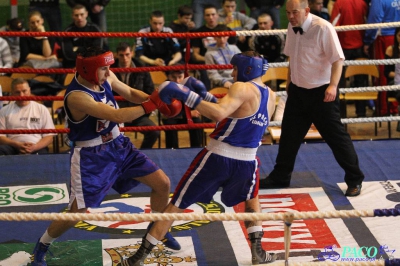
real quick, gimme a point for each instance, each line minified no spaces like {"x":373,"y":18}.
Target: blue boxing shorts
{"x":114,"y":164}
{"x":212,"y":169}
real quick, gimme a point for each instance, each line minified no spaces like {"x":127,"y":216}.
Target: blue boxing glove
{"x":198,"y":87}
{"x":169,"y":90}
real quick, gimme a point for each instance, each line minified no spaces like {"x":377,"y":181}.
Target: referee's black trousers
{"x":304,"y":107}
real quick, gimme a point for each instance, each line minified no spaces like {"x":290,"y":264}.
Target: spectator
{"x":184,"y":23}
{"x":24,"y":115}
{"x":236,"y":21}
{"x":381,"y":12}
{"x":269,"y":45}
{"x":171,"y":136}
{"x":352,"y":12}
{"x":50,"y":9}
{"x":14,"y":24}
{"x":96,"y":11}
{"x":272,"y":7}
{"x":198,"y":7}
{"x":220,"y":53}
{"x":72,"y":46}
{"x":200,"y":45}
{"x":37,"y":51}
{"x":140,"y":81}
{"x":6,"y":60}
{"x":317,"y":8}
{"x":157,"y":51}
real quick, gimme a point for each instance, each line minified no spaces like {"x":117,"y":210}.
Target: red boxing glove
{"x":171,"y":110}
{"x":154,"y":102}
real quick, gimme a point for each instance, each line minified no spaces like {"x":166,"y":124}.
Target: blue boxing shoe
{"x":169,"y":241}
{"x":39,"y":254}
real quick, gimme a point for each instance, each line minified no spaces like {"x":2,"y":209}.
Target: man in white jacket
{"x":24,"y":115}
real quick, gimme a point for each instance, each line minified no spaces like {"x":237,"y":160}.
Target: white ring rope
{"x":358,"y":89}
{"x":337,"y":28}
{"x":353,"y":120}
{"x":350,"y":62}
{"x":29,"y":216}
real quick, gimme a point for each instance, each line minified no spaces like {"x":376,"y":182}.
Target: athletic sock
{"x":47,"y":239}
{"x":252,"y":229}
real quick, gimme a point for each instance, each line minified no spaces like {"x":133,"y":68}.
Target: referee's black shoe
{"x":269,"y":183}
{"x":353,"y":191}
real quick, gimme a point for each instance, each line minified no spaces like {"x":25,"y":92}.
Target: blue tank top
{"x":90,"y":127}
{"x":245,"y":132}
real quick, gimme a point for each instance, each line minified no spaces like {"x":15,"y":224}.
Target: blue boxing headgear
{"x":248,"y":67}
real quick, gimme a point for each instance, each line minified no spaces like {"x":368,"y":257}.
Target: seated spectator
{"x":199,"y":45}
{"x":269,"y":45}
{"x":272,"y":7}
{"x":220,"y":53}
{"x":236,"y":21}
{"x":171,"y":136}
{"x":37,"y":51}
{"x":51,"y":12}
{"x":184,"y":23}
{"x":157,"y":51}
{"x":140,"y":81}
{"x":73,"y":46}
{"x":6,"y":60}
{"x":317,"y":8}
{"x":14,"y":24}
{"x":24,"y":115}
{"x":96,"y":10}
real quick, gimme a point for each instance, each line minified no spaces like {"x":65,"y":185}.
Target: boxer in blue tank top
{"x":229,"y":161}
{"x":101,"y":157}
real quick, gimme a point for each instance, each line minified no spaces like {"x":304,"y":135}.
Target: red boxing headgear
{"x":87,"y":66}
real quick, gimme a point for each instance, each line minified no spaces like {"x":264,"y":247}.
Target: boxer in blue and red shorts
{"x":101,"y":157}
{"x":229,"y":161}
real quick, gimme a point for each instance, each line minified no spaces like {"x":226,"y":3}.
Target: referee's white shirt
{"x":312,"y":53}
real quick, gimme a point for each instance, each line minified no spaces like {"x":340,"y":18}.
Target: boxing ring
{"x":310,"y":223}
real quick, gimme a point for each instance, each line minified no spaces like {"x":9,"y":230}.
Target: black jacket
{"x":88,"y":3}
{"x":260,"y":3}
{"x":139,"y":80}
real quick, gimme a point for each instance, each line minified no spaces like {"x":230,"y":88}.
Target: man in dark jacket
{"x":96,"y":10}
{"x":72,"y":46}
{"x":141,"y":81}
{"x":272,"y":7}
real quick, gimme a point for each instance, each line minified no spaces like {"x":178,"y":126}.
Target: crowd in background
{"x":202,"y":16}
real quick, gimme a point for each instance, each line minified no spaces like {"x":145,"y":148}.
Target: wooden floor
{"x":357,"y":131}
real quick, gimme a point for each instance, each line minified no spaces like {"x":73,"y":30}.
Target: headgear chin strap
{"x":248,"y":67}
{"x":87,"y":66}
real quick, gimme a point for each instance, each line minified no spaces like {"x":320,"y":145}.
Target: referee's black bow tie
{"x":298,"y":29}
